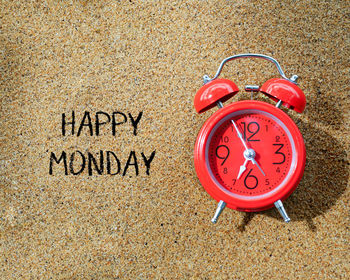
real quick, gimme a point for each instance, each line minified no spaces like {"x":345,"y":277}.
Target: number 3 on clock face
{"x":227,"y":171}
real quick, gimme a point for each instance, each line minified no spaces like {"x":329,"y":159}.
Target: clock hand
{"x":239,"y":134}
{"x":254,"y":162}
{"x":250,"y":155}
{"x":220,"y":105}
{"x":242,"y":168}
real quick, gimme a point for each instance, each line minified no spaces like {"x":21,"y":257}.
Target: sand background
{"x":150,"y":56}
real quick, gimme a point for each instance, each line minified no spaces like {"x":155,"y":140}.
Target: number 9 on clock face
{"x":249,"y":182}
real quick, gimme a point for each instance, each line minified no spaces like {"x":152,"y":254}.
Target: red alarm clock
{"x":250,"y":155}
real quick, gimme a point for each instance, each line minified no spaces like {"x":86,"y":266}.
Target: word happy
{"x":103,"y":162}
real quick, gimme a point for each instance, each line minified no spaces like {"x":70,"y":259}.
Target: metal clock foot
{"x":221,"y":207}
{"x":280,"y":208}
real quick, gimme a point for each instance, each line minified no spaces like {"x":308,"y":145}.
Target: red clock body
{"x":226,"y":172}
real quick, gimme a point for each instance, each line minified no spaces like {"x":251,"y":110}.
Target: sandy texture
{"x":150,"y":56}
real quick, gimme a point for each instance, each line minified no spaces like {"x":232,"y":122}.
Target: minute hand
{"x":239,"y":134}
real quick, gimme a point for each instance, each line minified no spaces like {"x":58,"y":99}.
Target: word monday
{"x":103,"y":162}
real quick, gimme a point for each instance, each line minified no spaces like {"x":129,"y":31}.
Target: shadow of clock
{"x":325,"y":179}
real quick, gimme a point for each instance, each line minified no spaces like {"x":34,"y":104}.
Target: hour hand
{"x":242,"y":168}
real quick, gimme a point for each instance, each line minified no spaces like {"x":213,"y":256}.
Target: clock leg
{"x":221,"y":207}
{"x":280,"y":208}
